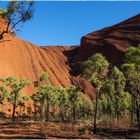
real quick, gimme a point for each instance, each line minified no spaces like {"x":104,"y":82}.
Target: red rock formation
{"x":111,"y":41}
{"x":84,"y":86}
{"x":24,"y":60}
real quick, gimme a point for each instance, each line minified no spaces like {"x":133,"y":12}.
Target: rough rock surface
{"x":111,"y":41}
{"x":24,"y":60}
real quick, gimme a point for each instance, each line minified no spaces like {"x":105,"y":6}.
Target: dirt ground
{"x":57,"y":130}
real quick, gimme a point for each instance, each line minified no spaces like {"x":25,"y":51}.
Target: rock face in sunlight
{"x":24,"y":60}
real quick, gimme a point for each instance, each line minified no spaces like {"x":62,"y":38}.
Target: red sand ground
{"x":55,"y":130}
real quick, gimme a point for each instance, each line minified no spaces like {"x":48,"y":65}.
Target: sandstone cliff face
{"x":111,"y":41}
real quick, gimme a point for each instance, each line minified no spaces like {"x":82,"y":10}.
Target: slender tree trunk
{"x":13,"y":114}
{"x":116,"y":108}
{"x":132,"y":109}
{"x":110,"y":111}
{"x":20,"y":110}
{"x":35,"y":113}
{"x":74,"y":114}
{"x":14,"y":107}
{"x":41,"y":110}
{"x":47,"y":108}
{"x":138,"y":113}
{"x":61,"y":115}
{"x":95,"y":114}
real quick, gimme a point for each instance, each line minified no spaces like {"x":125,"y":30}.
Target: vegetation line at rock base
{"x":117,"y":96}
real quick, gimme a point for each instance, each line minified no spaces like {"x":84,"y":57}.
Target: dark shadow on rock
{"x":71,"y":54}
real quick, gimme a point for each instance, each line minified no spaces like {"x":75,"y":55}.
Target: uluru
{"x":83,"y":90}
{"x":25,"y":60}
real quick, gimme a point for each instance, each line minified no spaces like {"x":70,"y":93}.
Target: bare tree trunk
{"x":62,"y":117}
{"x":41,"y":110}
{"x":138,"y":113}
{"x":116,"y":108}
{"x":35,"y":113}
{"x":20,"y":110}
{"x":95,"y":114}
{"x":14,"y":108}
{"x":132,"y":110}
{"x":74,"y":114}
{"x":47,"y":108}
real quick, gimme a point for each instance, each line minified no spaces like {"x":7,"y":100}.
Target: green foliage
{"x":3,"y":12}
{"x":14,"y":9}
{"x":96,"y":62}
{"x":111,"y":101}
{"x":15,"y":84}
{"x":98,"y":68}
{"x":4,"y":94}
{"x":97,"y":80}
{"x":132,"y":55}
{"x":73,"y":94}
{"x":111,"y":98}
{"x":131,"y":69}
{"x":132,"y":73}
{"x":13,"y":95}
{"x":16,"y":12}
{"x":42,"y":98}
{"x":95,"y":70}
{"x":118,"y":79}
{"x":44,"y":77}
{"x":84,"y":106}
{"x":65,"y":104}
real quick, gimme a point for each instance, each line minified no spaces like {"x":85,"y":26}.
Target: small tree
{"x":84,"y":106}
{"x":43,"y":87}
{"x":116,"y":92}
{"x":131,"y":69}
{"x":54,"y":101}
{"x":95,"y":70}
{"x":17,"y":12}
{"x":36,"y":102}
{"x":132,"y":73}
{"x":13,"y":96}
{"x":73,"y":98}
{"x":64,"y":103}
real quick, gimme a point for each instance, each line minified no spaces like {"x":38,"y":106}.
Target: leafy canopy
{"x":16,"y":13}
